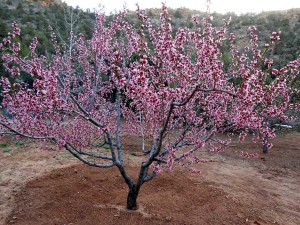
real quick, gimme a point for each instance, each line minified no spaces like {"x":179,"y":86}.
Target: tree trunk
{"x":265,"y":149}
{"x":131,"y":198}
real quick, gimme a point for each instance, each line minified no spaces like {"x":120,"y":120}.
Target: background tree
{"x":171,"y":89}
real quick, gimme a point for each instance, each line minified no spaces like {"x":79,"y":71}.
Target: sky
{"x":221,"y":6}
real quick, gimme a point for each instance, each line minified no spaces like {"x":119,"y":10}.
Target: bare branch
{"x":89,"y":153}
{"x":159,"y":160}
{"x":127,"y":179}
{"x":150,"y":177}
{"x":73,"y":152}
{"x":111,"y":146}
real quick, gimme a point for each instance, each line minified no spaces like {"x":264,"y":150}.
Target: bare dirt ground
{"x":42,"y":187}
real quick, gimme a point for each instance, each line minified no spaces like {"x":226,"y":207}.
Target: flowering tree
{"x":146,"y":81}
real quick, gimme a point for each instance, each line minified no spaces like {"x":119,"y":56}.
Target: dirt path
{"x":230,"y":190}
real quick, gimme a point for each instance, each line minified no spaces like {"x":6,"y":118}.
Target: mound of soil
{"x":85,"y":195}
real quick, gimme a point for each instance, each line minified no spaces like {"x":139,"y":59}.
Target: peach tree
{"x":148,"y":81}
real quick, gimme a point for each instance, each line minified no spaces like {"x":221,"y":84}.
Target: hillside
{"x":36,"y":15}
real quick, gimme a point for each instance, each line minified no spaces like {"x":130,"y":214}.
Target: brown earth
{"x":50,"y":187}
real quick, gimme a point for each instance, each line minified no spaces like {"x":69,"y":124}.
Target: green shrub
{"x":4,"y":145}
{"x":19,"y":143}
{"x":7,"y":150}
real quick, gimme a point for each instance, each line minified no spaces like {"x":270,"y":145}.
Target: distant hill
{"x":36,"y":15}
{"x":47,"y":2}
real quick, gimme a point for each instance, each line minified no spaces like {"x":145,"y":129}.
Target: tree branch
{"x":204,"y":139}
{"x":196,"y":89}
{"x":100,"y":165}
{"x":127,"y":179}
{"x":98,"y":124}
{"x":217,"y":141}
{"x":157,"y":146}
{"x":89,"y":153}
{"x":25,"y":135}
{"x":150,"y":177}
{"x":159,"y":160}
{"x":118,"y":141}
